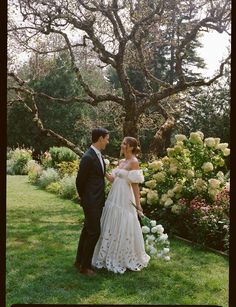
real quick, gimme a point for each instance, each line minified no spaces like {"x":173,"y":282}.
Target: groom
{"x":90,"y":185}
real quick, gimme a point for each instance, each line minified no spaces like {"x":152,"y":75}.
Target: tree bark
{"x":130,"y":126}
{"x":162,"y":136}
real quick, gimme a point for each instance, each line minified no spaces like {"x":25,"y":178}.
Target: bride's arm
{"x":135,"y":186}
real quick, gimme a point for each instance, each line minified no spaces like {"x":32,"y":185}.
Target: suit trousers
{"x":89,"y":236}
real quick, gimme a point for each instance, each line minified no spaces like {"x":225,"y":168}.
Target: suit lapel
{"x":104,"y":165}
{"x":98,"y":161}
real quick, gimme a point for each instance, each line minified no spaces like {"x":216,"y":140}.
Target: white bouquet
{"x":156,"y":241}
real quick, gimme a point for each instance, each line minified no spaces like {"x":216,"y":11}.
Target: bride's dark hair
{"x":132,"y":142}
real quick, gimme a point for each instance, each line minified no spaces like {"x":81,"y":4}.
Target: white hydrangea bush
{"x":194,"y":166}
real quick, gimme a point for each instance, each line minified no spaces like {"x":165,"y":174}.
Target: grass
{"x":42,"y":237}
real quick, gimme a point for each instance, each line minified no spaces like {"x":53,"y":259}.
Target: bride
{"x":121,"y":245}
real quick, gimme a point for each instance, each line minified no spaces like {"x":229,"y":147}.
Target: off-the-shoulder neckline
{"x":129,"y":170}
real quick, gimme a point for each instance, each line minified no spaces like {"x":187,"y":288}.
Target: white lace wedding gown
{"x":121,"y":245}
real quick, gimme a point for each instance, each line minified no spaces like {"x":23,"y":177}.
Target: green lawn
{"x":42,"y":236}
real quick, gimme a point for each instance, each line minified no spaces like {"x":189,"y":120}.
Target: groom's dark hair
{"x":97,"y":132}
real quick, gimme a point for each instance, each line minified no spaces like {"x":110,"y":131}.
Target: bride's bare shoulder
{"x":134,"y":164}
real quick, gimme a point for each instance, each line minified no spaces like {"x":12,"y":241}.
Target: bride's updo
{"x":132,"y":142}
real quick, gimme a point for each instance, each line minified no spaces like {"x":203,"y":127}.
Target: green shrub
{"x":34,"y":171}
{"x":207,"y":223}
{"x":31,"y":164}
{"x":54,"y":187}
{"x":18,"y":161}
{"x":9,"y":153}
{"x":68,"y":187}
{"x":48,"y":176}
{"x":46,"y":160}
{"x":60,"y":154}
{"x":10,"y":170}
{"x":68,"y":168}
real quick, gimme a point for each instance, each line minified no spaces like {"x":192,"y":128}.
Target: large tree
{"x":116,"y":33}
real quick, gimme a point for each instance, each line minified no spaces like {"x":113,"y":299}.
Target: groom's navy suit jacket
{"x":90,"y":182}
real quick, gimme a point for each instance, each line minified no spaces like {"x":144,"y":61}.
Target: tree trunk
{"x":130,"y":126}
{"x":162,"y":136}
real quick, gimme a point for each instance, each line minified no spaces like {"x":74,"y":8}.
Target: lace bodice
{"x":132,"y":176}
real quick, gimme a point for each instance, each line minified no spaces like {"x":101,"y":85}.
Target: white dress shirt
{"x":98,"y":152}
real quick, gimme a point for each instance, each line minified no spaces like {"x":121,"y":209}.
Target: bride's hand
{"x":140,"y":211}
{"x":139,"y":208}
{"x":109,"y":177}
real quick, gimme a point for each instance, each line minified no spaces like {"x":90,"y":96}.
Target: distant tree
{"x":55,"y":78}
{"x":208,"y":111}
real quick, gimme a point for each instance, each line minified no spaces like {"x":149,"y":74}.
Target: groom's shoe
{"x":87,"y":272}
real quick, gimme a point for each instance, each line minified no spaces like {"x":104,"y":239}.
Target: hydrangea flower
{"x":222,"y":146}
{"x":159,"y":177}
{"x":156,"y":241}
{"x":176,"y":209}
{"x":173,"y":169}
{"x":151,"y":184}
{"x":168,"y":202}
{"x":180,"y":137}
{"x":145,"y":229}
{"x":207,"y":167}
{"x":214,"y":183}
{"x":153,"y":223}
{"x":156,"y":165}
{"x":195,"y":137}
{"x":160,"y":228}
{"x":152,"y":197}
{"x":170,"y":193}
{"x":210,"y":142}
{"x":190,"y":173}
{"x":143,"y":200}
{"x":177,"y":188}
{"x":107,"y":162}
{"x":226,"y":152}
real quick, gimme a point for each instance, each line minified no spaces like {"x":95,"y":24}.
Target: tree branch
{"x":168,"y":92}
{"x":143,"y":65}
{"x":16,"y":78}
{"x":48,"y":132}
{"x":191,"y":36}
{"x":146,"y":20}
{"x":93,"y":102}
